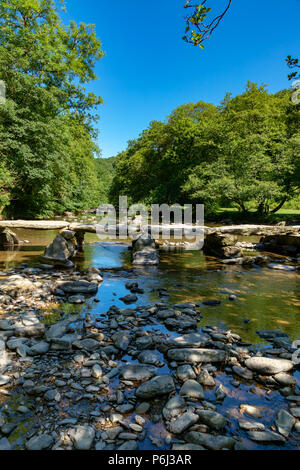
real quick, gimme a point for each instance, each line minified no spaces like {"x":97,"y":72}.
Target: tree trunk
{"x":279,"y":206}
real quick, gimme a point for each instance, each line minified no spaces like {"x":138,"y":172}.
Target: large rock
{"x":182,"y":423}
{"x":174,"y":407}
{"x":192,"y":389}
{"x":285,"y":422}
{"x":78,"y":287}
{"x":17,"y":285}
{"x":268,"y":366}
{"x":212,"y":419}
{"x":61,"y":250}
{"x":221,"y":246}
{"x":83,"y":437}
{"x":144,"y":251}
{"x":196,"y":355}
{"x":39,"y":442}
{"x":161,"y":385}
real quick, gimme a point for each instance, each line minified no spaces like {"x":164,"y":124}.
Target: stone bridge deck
{"x":246,"y":230}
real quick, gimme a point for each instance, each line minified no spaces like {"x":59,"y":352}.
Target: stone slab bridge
{"x":81,"y":229}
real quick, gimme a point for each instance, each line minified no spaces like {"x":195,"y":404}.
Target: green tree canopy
{"x":244,"y":152}
{"x":46,"y":123}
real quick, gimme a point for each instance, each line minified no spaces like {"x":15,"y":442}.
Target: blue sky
{"x":148,"y":70}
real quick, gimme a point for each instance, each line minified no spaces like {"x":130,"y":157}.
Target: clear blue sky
{"x":148,"y":70}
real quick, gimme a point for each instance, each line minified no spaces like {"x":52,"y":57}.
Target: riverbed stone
{"x":265,"y":436}
{"x":137,"y":372}
{"x":182,"y":423}
{"x":89,"y":344}
{"x":190,"y":340}
{"x":185,"y":372}
{"x":42,"y":442}
{"x":284,"y":422}
{"x":16,"y":285}
{"x":5,"y":444}
{"x":212,"y":419}
{"x":161,"y":385}
{"x":268,"y":366}
{"x":204,"y":378}
{"x":121,"y":340}
{"x":210,"y":441}
{"x":78,"y":287}
{"x":251,"y":410}
{"x":196,"y":355}
{"x":150,"y":357}
{"x":174,"y":407}
{"x":40,"y":348}
{"x":83,"y":437}
{"x":192,"y":389}
{"x":4,"y":380}
{"x":251,"y":425}
{"x":243,"y":372}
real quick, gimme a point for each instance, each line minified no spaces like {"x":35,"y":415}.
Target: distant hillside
{"x":105,"y":172}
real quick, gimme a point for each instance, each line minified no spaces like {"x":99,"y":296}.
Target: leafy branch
{"x":198,"y":29}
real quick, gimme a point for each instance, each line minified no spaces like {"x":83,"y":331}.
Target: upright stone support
{"x":79,"y":235}
{"x":8,"y":239}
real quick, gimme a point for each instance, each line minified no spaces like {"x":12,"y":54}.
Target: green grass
{"x":233,"y":215}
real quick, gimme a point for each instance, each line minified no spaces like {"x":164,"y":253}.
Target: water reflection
{"x":266,"y":299}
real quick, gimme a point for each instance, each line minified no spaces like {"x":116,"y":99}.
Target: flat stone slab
{"x":78,"y":287}
{"x":285,"y":423}
{"x":196,"y":355}
{"x":265,"y":436}
{"x":191,"y":340}
{"x":268,"y":366}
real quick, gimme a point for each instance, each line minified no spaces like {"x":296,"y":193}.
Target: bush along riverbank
{"x":148,"y":377}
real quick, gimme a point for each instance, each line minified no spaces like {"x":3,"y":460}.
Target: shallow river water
{"x":266,"y":299}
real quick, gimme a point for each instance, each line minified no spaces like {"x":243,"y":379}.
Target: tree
{"x":244,"y":153}
{"x":154,"y":166}
{"x":258,"y":160}
{"x":293,"y":64}
{"x":46,"y":123}
{"x":197,"y":29}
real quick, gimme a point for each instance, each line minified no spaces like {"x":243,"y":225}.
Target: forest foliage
{"x":244,"y":153}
